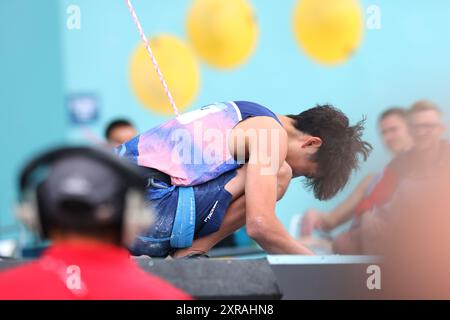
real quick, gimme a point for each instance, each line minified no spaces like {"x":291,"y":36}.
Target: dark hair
{"x":80,"y":218}
{"x":116,"y":124}
{"x":397,"y":111}
{"x":338,"y":154}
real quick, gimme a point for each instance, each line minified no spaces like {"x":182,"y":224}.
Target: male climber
{"x":226,"y":165}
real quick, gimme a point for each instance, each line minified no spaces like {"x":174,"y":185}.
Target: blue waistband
{"x":184,"y":224}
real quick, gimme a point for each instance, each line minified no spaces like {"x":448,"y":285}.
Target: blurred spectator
{"x":119,"y":131}
{"x":90,"y":205}
{"x":416,"y":243}
{"x":397,"y":139}
{"x":412,"y":170}
{"x":429,"y":152}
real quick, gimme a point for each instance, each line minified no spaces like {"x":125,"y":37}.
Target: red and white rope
{"x":155,"y":63}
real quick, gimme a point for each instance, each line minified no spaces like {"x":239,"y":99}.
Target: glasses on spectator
{"x":425,"y":126}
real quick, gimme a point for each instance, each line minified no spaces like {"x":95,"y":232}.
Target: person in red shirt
{"x":423,"y":166}
{"x":90,"y":205}
{"x":425,"y":159}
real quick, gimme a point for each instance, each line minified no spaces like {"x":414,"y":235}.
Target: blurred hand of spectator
{"x":314,"y":220}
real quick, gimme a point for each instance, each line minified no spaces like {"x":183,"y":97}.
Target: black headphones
{"x":136,"y":217}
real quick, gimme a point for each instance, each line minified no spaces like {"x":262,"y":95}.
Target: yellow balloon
{"x":178,"y":66}
{"x":223,"y":32}
{"x":329,"y":31}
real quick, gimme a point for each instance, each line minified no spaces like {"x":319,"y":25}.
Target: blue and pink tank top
{"x":193,"y":148}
